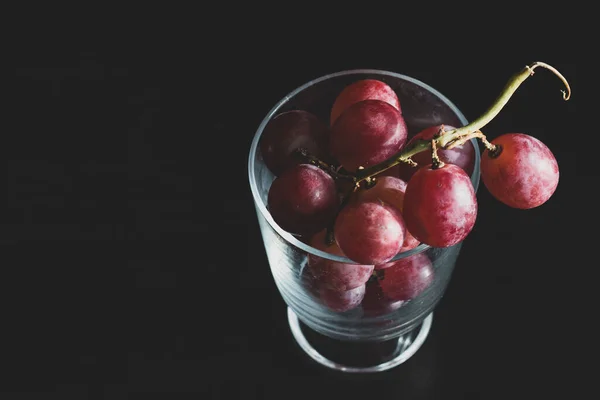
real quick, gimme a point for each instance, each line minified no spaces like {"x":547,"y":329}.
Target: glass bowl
{"x":332,"y":328}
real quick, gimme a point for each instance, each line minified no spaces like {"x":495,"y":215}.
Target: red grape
{"x":463,"y":155}
{"x":367,"y":133}
{"x":525,"y":173}
{"x":440,"y":207}
{"x":341,"y":301}
{"x":289,"y":131}
{"x":303,"y":199}
{"x":390,"y":190}
{"x":376,"y":303}
{"x":369,"y":232}
{"x":410,"y":242}
{"x":332,"y":274}
{"x":366,"y":89}
{"x":406,"y":278}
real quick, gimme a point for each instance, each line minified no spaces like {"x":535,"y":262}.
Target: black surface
{"x":124,"y":166}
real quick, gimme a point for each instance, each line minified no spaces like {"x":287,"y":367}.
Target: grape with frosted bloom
{"x":390,"y":190}
{"x":367,"y":133}
{"x":369,"y":232}
{"x":365,"y":89}
{"x":524,"y":174}
{"x":440,"y":207}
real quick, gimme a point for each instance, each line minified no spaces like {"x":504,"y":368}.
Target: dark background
{"x":133,"y":263}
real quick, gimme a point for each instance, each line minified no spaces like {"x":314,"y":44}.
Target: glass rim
{"x":290,"y":238}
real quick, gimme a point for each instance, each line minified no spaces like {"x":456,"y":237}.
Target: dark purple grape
{"x":289,"y":131}
{"x":303,"y":199}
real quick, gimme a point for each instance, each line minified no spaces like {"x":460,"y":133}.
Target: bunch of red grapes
{"x":371,"y":220}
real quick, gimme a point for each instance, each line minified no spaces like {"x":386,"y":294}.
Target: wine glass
{"x":381,"y":324}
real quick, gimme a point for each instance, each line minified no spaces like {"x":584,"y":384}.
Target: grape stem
{"x":459,"y":136}
{"x":330,"y":169}
{"x":435,"y":159}
{"x":476,"y":134}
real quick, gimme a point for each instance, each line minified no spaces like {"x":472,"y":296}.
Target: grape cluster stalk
{"x":451,"y":138}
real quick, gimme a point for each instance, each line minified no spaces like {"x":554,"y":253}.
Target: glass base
{"x":358,"y":357}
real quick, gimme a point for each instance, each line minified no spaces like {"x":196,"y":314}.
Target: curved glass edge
{"x":410,"y":347}
{"x":475,"y":176}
